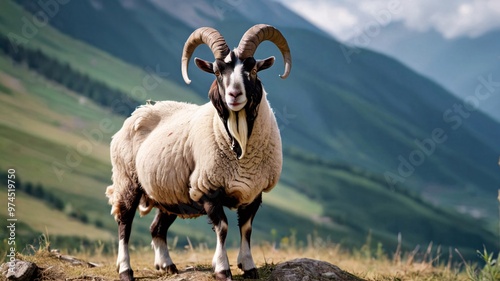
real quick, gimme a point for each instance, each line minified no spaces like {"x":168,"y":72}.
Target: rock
{"x":22,"y":271}
{"x":310,"y":270}
{"x":73,"y":260}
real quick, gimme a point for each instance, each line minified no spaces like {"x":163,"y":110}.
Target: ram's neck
{"x":238,"y":128}
{"x":222,"y":136}
{"x":264,"y":127}
{"x":243,"y":132}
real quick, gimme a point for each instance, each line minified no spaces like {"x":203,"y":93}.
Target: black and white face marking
{"x":230,"y":80}
{"x":237,"y":94}
{"x":237,"y":80}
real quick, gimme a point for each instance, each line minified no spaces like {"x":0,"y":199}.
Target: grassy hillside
{"x":373,"y":112}
{"x":41,"y":136}
{"x":365,"y":109}
{"x":53,"y":136}
{"x":99,"y":65}
{"x":360,"y":201}
{"x":41,"y":157}
{"x":58,"y":138}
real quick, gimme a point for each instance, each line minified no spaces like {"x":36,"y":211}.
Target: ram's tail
{"x":145,"y":205}
{"x":112,"y":200}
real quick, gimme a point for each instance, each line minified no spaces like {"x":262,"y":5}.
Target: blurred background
{"x":389,"y":119}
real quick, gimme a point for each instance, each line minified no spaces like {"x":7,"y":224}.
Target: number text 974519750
{"x":11,"y":217}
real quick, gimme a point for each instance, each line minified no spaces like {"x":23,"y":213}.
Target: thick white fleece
{"x":179,"y":151}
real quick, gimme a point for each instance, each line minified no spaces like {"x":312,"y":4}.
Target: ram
{"x":188,"y":160}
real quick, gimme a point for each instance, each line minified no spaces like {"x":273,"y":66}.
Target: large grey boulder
{"x":310,"y":270}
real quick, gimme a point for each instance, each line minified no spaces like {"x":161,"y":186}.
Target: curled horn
{"x":262,"y":32}
{"x":203,"y":35}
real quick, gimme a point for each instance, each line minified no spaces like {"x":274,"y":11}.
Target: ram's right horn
{"x":203,"y":35}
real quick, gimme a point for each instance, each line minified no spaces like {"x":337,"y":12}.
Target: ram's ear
{"x":265,"y":63}
{"x":217,"y":100}
{"x":204,"y":65}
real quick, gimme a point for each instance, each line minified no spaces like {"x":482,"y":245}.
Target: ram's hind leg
{"x":159,"y":229}
{"x":126,"y":207}
{"x":245,"y":219}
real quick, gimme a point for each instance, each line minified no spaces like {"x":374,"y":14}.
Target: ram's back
{"x":150,"y":150}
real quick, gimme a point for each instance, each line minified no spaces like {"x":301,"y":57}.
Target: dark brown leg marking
{"x":126,"y":216}
{"x":246,"y":214}
{"x":159,"y":229}
{"x":216,"y":215}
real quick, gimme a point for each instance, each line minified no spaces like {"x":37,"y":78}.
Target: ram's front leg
{"x":220,"y":262}
{"x":245,"y":219}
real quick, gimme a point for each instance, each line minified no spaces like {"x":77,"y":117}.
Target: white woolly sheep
{"x":188,"y":160}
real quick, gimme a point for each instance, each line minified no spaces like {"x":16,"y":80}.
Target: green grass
{"x":91,"y":61}
{"x":490,"y":271}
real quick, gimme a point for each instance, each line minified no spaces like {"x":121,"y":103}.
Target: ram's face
{"x":237,"y":80}
{"x":236,"y":91}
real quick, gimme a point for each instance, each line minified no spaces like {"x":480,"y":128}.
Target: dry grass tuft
{"x":194,"y":264}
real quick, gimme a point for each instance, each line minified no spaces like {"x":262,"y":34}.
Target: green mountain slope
{"x":375,"y":113}
{"x":455,"y":63}
{"x":53,"y":136}
{"x":351,"y":105}
{"x":50,"y":137}
{"x":341,"y":125}
{"x":93,"y":62}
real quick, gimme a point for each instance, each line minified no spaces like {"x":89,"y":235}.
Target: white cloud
{"x":336,"y":20}
{"x":471,"y":18}
{"x":452,"y":18}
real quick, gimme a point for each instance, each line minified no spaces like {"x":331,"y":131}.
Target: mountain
{"x":459,"y":64}
{"x":364,"y":140}
{"x":202,"y":13}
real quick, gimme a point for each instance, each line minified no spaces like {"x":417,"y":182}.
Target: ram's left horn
{"x":262,"y":32}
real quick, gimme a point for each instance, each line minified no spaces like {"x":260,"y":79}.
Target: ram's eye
{"x":217,"y":73}
{"x":254,"y":71}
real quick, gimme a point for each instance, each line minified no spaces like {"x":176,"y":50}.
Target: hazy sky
{"x":452,"y":18}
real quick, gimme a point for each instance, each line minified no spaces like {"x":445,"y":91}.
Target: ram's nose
{"x":235,"y":94}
